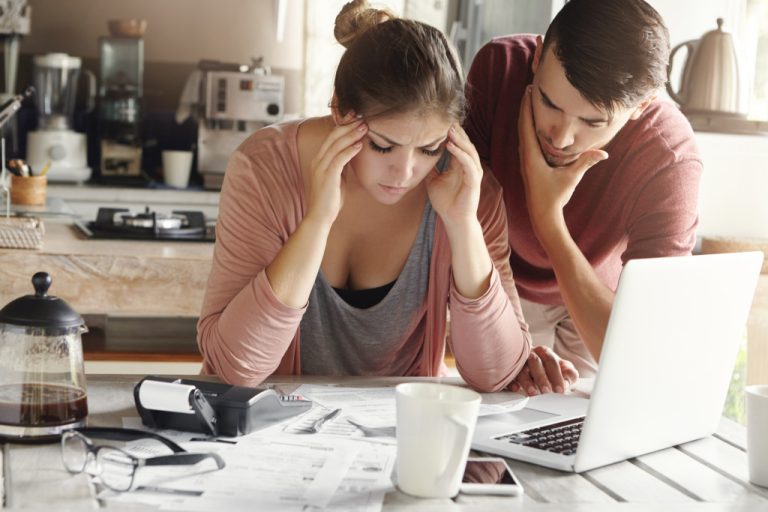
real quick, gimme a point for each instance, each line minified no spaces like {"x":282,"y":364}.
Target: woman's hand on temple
{"x":455,"y":193}
{"x":327,"y":188}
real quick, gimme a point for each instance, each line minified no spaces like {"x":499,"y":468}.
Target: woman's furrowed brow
{"x":395,"y":143}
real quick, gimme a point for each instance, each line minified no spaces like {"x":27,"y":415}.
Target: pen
{"x":168,"y":490}
{"x":213,"y":440}
{"x":323,"y":419}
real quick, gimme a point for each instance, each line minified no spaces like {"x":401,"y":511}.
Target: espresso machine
{"x":230,"y":102}
{"x":55,"y":77}
{"x":121,"y":92}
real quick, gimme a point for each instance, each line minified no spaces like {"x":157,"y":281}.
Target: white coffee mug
{"x":757,"y":434}
{"x":176,"y":168}
{"x":435,"y":424}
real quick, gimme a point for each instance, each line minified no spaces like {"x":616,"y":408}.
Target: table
{"x":709,"y":474}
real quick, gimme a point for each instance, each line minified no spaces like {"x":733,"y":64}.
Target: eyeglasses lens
{"x":117,"y":468}
{"x":74,"y":453}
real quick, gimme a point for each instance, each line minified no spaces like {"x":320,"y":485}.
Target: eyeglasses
{"x":115,"y":467}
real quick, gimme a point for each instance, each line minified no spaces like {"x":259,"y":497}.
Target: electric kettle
{"x":42,"y":378}
{"x":710,"y":78}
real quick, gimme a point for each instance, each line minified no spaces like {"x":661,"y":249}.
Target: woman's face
{"x":398,"y":152}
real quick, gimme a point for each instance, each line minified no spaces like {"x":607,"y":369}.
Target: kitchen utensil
{"x":29,"y":190}
{"x":710,"y":77}
{"x":42,"y":378}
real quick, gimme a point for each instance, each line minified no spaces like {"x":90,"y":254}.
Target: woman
{"x":339,"y":245}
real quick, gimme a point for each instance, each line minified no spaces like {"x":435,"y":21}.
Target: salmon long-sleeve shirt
{"x":246,"y":334}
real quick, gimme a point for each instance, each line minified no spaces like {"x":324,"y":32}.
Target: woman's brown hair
{"x":393,"y":65}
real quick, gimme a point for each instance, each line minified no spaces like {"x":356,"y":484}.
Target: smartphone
{"x":489,"y":475}
{"x":442,"y":163}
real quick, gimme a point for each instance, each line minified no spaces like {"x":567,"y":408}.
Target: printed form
{"x":278,"y":472}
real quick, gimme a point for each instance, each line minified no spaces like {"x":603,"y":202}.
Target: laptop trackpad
{"x":514,"y":419}
{"x":548,"y":408}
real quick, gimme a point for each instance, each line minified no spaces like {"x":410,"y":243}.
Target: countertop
{"x":109,"y":194}
{"x":154,"y":278}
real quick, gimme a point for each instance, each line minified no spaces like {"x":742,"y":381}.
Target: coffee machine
{"x":121,"y":93}
{"x":55,"y":77}
{"x":232,"y":101}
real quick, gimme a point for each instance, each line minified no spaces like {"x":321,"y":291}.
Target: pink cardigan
{"x":246,"y":334}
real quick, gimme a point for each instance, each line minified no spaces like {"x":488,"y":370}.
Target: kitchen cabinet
{"x":111,"y":276}
{"x":141,"y":299}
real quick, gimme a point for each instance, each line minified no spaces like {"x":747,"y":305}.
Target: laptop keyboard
{"x":560,"y":437}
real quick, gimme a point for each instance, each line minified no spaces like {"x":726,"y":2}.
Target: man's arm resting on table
{"x":586,"y":298}
{"x":588,"y":302}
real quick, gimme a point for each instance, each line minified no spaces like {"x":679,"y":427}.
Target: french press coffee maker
{"x":42,"y":378}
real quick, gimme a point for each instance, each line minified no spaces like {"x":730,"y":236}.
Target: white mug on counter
{"x":176,"y":168}
{"x":435,"y":424}
{"x":757,"y":434}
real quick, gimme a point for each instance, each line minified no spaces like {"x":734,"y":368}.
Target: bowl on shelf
{"x":128,"y":27}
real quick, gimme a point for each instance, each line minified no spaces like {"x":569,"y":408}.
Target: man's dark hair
{"x":614,"y":52}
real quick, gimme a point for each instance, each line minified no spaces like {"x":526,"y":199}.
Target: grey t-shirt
{"x":339,"y":339}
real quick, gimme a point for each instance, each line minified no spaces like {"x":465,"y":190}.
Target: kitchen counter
{"x":109,"y":194}
{"x":85,"y":200}
{"x":150,"y":278}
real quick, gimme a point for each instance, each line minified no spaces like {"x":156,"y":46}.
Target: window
{"x":757,"y":13}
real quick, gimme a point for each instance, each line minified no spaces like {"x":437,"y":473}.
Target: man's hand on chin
{"x":547,"y":189}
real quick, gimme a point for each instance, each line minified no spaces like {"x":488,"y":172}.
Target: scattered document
{"x":342,"y":468}
{"x":375,"y":407}
{"x":277,"y":472}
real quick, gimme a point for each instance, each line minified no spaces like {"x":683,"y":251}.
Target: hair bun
{"x":355,"y":18}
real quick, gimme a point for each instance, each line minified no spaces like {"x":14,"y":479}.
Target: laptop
{"x":666,"y":363}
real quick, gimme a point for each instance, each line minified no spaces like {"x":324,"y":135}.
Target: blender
{"x":55,"y":79}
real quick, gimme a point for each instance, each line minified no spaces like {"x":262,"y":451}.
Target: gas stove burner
{"x":150,"y":219}
{"x":120,"y":223}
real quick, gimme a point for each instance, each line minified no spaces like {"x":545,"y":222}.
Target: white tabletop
{"x":709,"y":474}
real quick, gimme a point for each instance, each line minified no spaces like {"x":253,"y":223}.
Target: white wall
{"x":177,"y":30}
{"x":734,"y":188}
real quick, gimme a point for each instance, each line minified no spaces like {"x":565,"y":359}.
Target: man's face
{"x":566,"y":123}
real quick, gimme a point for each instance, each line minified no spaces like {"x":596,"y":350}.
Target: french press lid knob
{"x":40,"y":309}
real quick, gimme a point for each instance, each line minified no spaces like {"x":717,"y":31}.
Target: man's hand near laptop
{"x":545,"y":372}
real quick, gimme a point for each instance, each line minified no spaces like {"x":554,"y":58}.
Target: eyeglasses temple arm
{"x":184,"y":459}
{"x":128,"y":434}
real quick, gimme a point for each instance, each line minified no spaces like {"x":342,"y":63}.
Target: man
{"x":596,"y":171}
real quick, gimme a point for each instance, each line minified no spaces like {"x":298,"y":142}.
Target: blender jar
{"x":42,"y":376}
{"x":56,"y":78}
